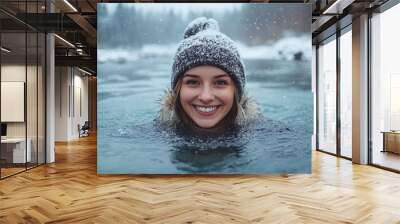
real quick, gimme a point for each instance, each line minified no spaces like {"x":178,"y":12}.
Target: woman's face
{"x":207,"y":95}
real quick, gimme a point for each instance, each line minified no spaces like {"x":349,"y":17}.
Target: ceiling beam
{"x":83,"y":61}
{"x":84,"y":24}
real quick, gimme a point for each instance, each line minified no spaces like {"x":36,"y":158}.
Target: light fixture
{"x":84,"y":71}
{"x":64,"y":40}
{"x":5,"y":50}
{"x":80,"y":51}
{"x":70,"y":5}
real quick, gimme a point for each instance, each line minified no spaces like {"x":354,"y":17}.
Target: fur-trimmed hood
{"x":248,"y":110}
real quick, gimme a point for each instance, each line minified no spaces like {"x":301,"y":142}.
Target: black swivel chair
{"x":84,"y":130}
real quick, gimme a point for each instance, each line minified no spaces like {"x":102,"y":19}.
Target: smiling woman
{"x":208,"y":81}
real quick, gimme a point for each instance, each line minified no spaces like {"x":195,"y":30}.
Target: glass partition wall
{"x":22,"y":99}
{"x":13,"y":89}
{"x":334,"y":93}
{"x":385,"y":89}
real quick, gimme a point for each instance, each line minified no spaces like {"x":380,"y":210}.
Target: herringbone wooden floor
{"x":70,"y":191}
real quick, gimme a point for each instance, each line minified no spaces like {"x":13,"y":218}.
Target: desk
{"x":18,"y":149}
{"x":391,"y":141}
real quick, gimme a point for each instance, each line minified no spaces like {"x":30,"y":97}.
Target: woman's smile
{"x":206,"y":110}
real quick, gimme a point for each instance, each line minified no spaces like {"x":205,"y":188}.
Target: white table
{"x":19,"y":153}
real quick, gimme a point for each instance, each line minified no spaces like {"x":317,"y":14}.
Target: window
{"x":346,"y":94}
{"x":385,"y":88}
{"x":327,"y":97}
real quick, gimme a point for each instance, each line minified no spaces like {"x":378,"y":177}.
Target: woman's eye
{"x":191,"y":82}
{"x":221,"y":83}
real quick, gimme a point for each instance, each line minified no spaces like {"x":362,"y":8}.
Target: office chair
{"x":84,"y":130}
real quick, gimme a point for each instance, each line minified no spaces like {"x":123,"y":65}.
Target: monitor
{"x":3,"y":129}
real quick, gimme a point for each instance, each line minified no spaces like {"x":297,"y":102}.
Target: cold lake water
{"x":129,"y":142}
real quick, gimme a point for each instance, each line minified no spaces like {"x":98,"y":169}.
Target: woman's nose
{"x":206,"y":95}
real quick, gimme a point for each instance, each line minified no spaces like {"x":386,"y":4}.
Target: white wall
{"x":80,"y":110}
{"x":62,"y":81}
{"x":13,"y":73}
{"x":71,"y":94}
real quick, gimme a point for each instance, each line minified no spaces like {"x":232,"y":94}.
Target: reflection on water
{"x":131,"y":142}
{"x":191,"y":159}
{"x":207,"y":152}
{"x":229,"y":152}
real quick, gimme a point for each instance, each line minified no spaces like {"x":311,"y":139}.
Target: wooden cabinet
{"x":391,"y":141}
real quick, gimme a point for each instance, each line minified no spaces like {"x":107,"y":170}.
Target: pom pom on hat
{"x":200,"y":24}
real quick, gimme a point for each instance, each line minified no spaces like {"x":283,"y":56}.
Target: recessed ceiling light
{"x":71,"y":6}
{"x":337,"y":7}
{"x":64,"y":40}
{"x":5,"y":49}
{"x":84,"y":71}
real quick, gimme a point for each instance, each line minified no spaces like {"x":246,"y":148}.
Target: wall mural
{"x":204,"y":88}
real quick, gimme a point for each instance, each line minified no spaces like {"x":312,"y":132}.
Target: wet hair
{"x":227,"y":122}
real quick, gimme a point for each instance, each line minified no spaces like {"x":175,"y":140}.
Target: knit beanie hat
{"x":204,"y":44}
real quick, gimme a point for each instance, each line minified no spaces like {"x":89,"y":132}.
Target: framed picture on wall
{"x":204,"y":88}
{"x":12,"y":101}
